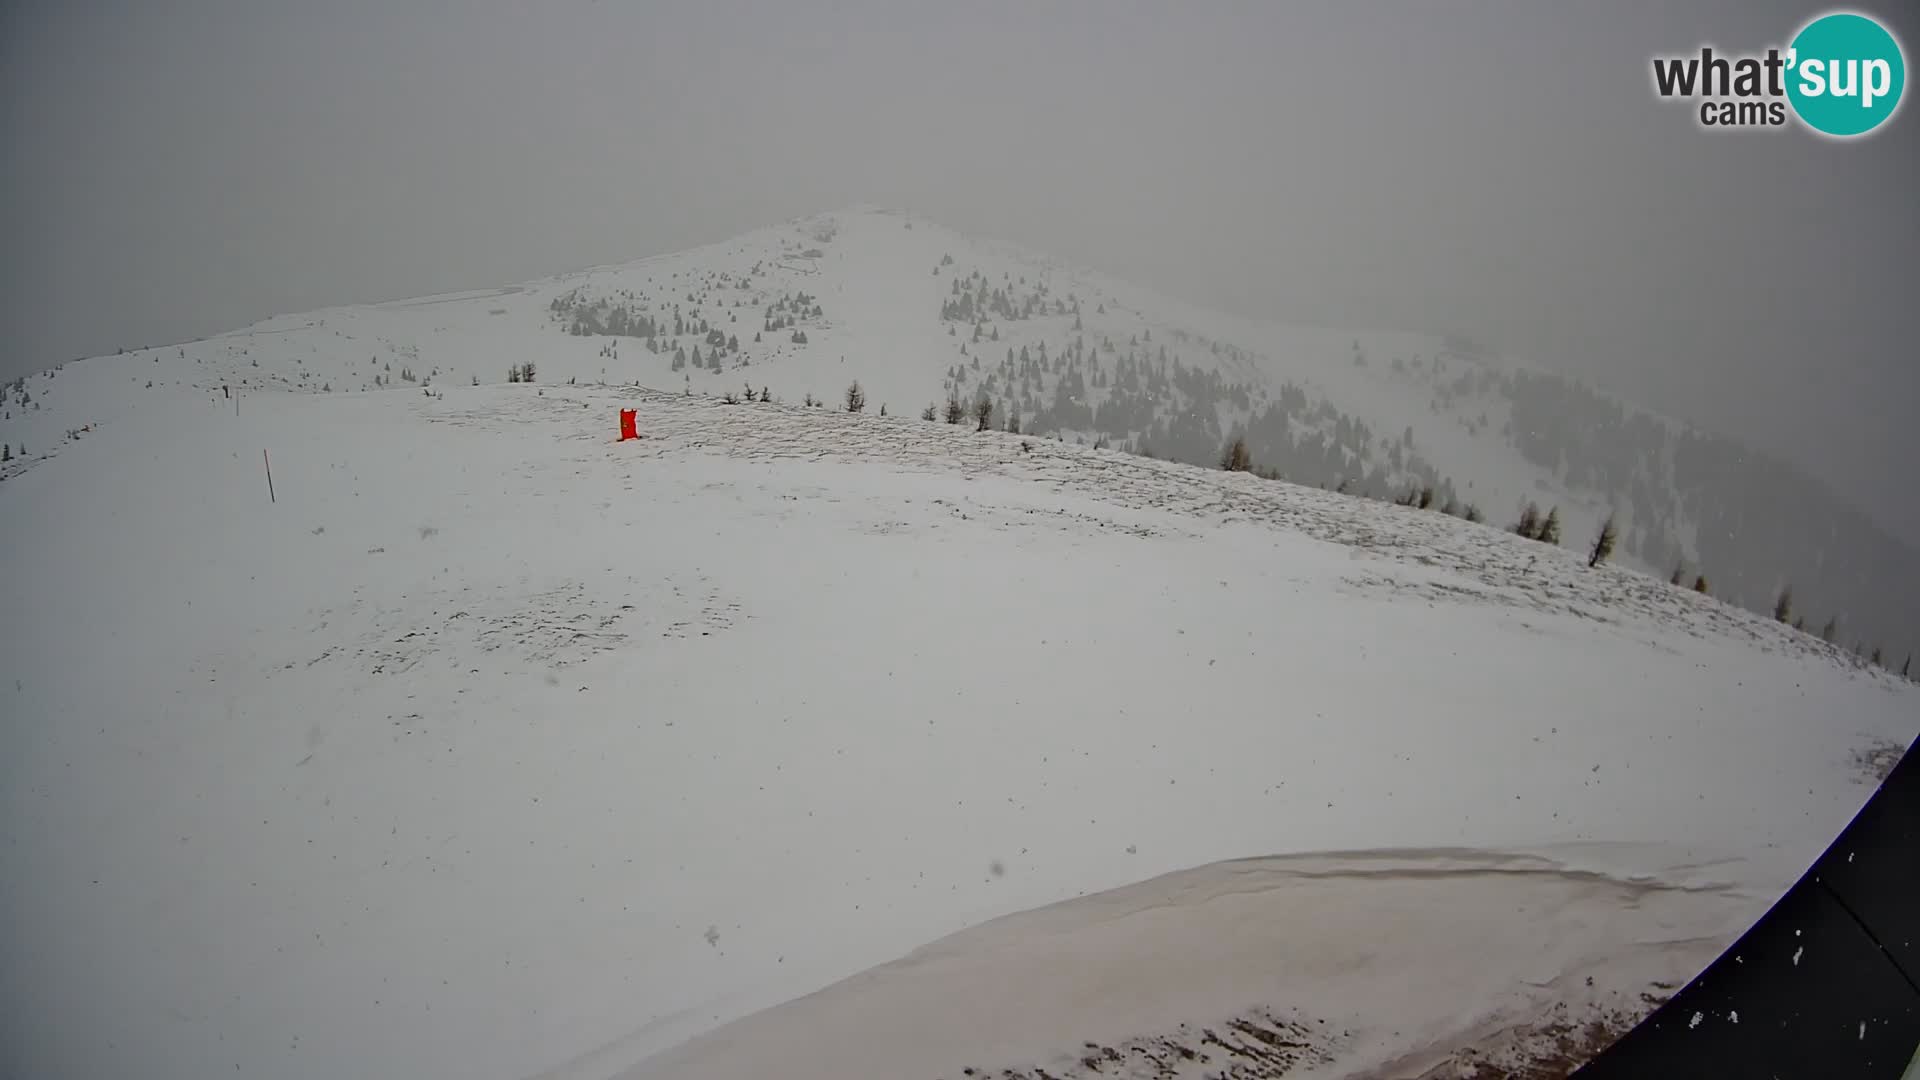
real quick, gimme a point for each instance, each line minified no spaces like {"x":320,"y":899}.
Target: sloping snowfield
{"x":1377,"y":964}
{"x":496,"y":748}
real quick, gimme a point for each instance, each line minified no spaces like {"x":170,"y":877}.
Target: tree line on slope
{"x":1315,"y":443}
{"x":1742,"y":513}
{"x":626,"y":314}
{"x":1750,"y":512}
{"x":1546,"y":529}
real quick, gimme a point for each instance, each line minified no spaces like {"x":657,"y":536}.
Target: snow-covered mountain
{"x":918,"y":313}
{"x":476,"y":743}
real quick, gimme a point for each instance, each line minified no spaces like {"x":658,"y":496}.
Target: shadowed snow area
{"x":1342,"y":964}
{"x":495,"y":748}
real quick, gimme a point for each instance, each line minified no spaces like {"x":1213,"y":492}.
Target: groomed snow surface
{"x":495,"y":748}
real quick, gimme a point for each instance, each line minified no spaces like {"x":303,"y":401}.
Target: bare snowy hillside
{"x":919,"y":314}
{"x":488,"y":746}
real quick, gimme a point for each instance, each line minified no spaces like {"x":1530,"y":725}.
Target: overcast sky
{"x":179,"y":168}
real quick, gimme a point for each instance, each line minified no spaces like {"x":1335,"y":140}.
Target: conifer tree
{"x":1603,"y":544}
{"x":1235,"y":457}
{"x":1550,"y":528}
{"x":1529,"y":523}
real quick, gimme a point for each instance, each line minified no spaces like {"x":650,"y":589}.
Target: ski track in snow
{"x":496,"y":748}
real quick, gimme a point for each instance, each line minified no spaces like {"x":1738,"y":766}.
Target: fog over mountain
{"x":1500,"y":171}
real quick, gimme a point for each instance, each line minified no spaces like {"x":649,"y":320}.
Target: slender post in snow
{"x":269,"y":466}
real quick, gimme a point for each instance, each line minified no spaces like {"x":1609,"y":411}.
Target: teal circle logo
{"x":1845,"y":74}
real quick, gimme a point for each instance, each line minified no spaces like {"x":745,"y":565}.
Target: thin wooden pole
{"x":263,"y":460}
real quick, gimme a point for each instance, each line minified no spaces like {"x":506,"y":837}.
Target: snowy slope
{"x":495,"y":748}
{"x":870,"y":293}
{"x":1382,"y":963}
{"x":880,"y":280}
{"x":917,"y":312}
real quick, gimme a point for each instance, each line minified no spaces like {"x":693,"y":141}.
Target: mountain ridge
{"x":919,"y":313}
